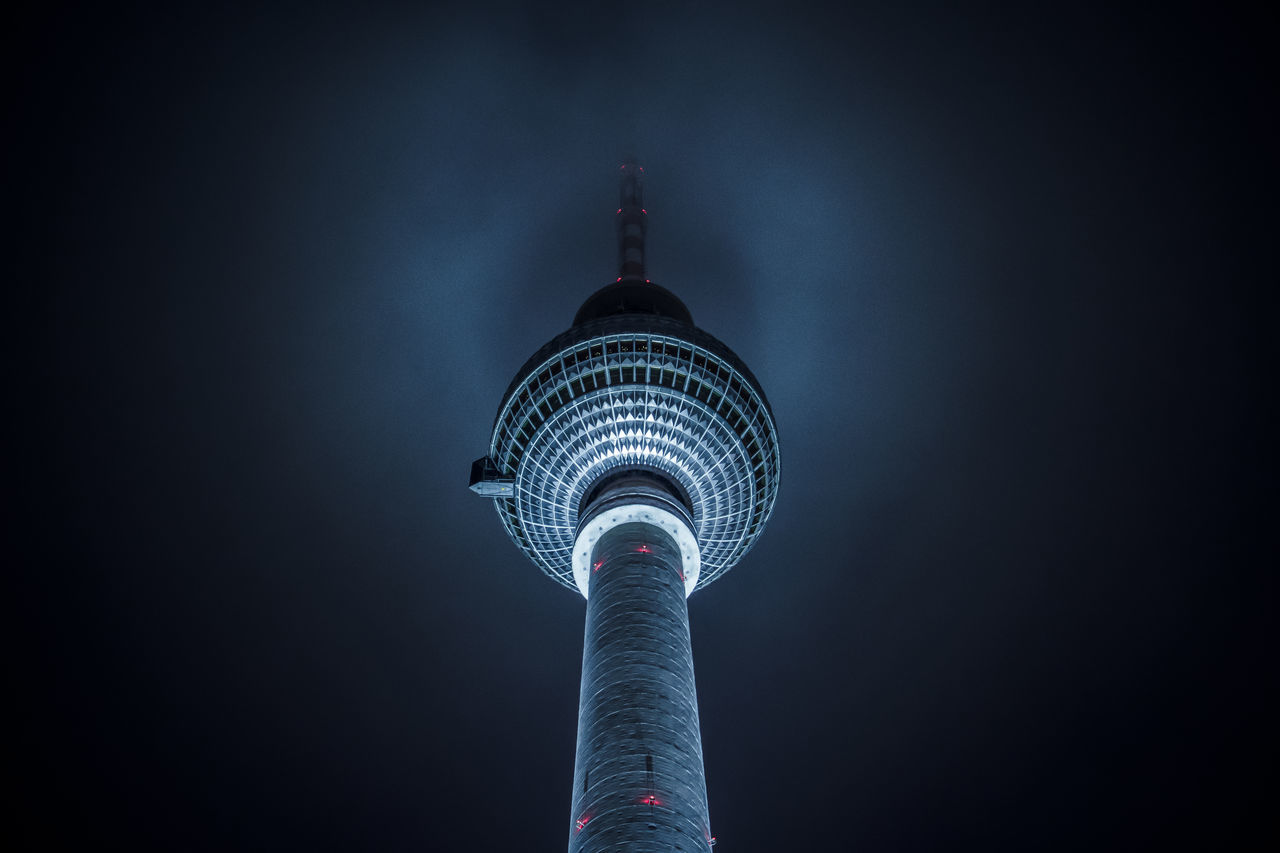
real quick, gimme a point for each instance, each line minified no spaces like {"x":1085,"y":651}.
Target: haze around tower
{"x":999,"y":270}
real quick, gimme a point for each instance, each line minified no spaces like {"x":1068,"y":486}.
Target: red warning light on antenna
{"x":644,"y":549}
{"x":581,"y":822}
{"x":596,"y":566}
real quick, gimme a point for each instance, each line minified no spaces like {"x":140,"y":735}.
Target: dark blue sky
{"x":997,"y":272}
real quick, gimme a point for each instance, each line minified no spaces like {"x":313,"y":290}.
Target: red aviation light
{"x":596,"y":566}
{"x":581,"y":822}
{"x":644,"y":549}
{"x":650,"y":800}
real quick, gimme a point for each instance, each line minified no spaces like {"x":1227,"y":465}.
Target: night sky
{"x":997,"y":271}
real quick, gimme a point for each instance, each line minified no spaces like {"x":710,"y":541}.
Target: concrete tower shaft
{"x":638,"y":776}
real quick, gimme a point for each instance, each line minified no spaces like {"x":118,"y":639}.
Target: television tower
{"x":634,"y":458}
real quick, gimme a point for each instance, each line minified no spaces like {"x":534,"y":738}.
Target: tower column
{"x":612,"y":439}
{"x":638,"y":776}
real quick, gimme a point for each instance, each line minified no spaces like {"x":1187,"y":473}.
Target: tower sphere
{"x":633,"y":387}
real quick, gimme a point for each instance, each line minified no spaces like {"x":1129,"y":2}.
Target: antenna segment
{"x":632,"y":221}
{"x":634,"y":459}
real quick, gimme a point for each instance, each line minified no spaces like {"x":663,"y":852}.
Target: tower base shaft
{"x":638,"y":777}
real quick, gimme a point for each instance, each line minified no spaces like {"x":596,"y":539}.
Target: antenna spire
{"x":632,"y":219}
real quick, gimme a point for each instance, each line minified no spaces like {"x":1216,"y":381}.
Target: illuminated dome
{"x":635,"y":391}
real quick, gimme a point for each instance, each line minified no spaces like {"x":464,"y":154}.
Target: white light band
{"x":668,"y":522}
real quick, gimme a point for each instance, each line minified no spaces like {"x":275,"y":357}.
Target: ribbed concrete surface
{"x":638,"y":778}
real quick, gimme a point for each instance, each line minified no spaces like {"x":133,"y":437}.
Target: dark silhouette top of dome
{"x":633,"y":297}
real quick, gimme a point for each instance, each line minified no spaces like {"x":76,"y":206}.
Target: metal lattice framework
{"x":636,"y":393}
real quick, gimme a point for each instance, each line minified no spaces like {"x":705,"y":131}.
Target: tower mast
{"x":632,"y":221}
